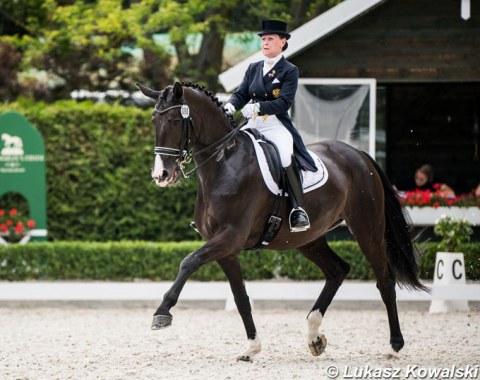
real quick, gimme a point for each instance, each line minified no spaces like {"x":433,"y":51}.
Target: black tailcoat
{"x":275,"y":93}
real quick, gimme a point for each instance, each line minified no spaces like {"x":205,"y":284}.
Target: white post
{"x":449,"y":270}
{"x":465,"y":9}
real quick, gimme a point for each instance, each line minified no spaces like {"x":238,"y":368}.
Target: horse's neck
{"x":237,"y":152}
{"x":209,"y":134}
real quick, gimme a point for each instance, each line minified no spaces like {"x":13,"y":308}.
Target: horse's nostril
{"x":164,"y":174}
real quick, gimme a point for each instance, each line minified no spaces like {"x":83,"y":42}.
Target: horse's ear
{"x":148,"y":91}
{"x":178,"y":90}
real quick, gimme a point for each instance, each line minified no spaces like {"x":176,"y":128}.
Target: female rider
{"x":271,"y":85}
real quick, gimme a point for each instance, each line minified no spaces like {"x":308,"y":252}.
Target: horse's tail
{"x":401,"y":252}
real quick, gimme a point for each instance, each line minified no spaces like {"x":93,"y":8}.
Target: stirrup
{"x":298,"y":228}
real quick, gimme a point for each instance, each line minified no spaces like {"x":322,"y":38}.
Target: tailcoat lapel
{"x":258,"y":78}
{"x":273,"y":72}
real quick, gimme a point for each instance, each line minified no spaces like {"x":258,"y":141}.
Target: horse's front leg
{"x":162,"y":317}
{"x":216,"y":248}
{"x":233,"y":271}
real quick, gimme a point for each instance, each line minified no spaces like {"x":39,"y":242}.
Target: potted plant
{"x":425,"y":206}
{"x":449,"y":262}
{"x":14,"y":226}
{"x":453,"y":233}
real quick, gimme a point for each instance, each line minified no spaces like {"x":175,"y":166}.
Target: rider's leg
{"x":283,"y":139}
{"x":298,"y":216}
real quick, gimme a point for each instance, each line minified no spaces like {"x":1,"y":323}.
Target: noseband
{"x":184,"y":155}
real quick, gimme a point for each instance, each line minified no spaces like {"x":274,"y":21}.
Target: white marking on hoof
{"x":314,"y":320}
{"x":254,"y":347}
{"x":392,"y":354}
{"x":316,"y":341}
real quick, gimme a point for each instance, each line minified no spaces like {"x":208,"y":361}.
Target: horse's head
{"x":171,"y":127}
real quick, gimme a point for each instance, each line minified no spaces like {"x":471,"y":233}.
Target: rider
{"x":271,"y":85}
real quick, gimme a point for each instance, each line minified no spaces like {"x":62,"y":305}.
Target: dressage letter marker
{"x":449,"y":270}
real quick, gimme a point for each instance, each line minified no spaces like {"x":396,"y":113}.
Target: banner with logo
{"x":22,"y":167}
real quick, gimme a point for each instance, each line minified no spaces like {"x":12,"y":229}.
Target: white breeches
{"x":275,"y":131}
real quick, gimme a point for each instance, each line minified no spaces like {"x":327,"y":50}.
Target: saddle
{"x":271,"y":154}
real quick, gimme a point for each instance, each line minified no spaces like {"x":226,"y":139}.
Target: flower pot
{"x":449,"y":270}
{"x":426,"y":216}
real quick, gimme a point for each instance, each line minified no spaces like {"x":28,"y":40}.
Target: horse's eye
{"x":175,"y":122}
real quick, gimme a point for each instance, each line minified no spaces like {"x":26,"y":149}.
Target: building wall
{"x":434,"y":123}
{"x":401,"y":41}
{"x":426,"y":60}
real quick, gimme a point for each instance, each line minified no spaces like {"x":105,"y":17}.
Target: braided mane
{"x":213,"y":98}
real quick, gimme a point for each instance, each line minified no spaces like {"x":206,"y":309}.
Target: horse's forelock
{"x":165,"y":92}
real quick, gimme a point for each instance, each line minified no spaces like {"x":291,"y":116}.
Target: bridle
{"x":184,"y":154}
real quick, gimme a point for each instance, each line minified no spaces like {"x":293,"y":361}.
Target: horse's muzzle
{"x":165,"y":178}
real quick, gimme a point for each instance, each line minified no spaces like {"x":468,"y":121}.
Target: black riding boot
{"x":298,"y":216}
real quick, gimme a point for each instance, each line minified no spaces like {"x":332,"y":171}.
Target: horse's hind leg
{"x":335,"y":270}
{"x":233,"y":271}
{"x":370,"y":236}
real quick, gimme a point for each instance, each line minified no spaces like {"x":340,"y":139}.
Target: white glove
{"x":251,"y":110}
{"x":229,"y":108}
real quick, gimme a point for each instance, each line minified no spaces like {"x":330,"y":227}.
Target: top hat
{"x":274,"y":27}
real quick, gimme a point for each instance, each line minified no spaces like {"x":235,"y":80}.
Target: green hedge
{"x":126,"y":261}
{"x":98,"y":175}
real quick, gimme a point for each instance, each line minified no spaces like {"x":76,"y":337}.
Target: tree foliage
{"x":102,"y":44}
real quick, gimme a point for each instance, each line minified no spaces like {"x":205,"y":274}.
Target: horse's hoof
{"x":392,"y":355}
{"x":161,"y":321}
{"x":318,"y":346}
{"x":244,"y":358}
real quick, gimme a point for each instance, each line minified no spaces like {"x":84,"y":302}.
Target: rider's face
{"x":272,"y":45}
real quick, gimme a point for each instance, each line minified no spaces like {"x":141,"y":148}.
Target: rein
{"x":184,"y":154}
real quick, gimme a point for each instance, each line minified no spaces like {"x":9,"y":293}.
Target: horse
{"x":233,"y":204}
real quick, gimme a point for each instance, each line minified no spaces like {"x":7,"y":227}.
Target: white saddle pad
{"x":311,"y":180}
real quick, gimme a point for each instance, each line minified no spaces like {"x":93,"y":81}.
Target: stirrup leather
{"x":298,"y":228}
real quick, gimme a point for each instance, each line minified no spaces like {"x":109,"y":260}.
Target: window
{"x":341,"y":109}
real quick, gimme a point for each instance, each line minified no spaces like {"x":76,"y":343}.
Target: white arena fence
{"x":220,"y":291}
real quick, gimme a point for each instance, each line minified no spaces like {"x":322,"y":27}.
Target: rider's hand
{"x":229,"y":108}
{"x":251,"y":110}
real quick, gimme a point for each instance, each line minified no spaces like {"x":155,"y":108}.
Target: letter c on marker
{"x":455,"y":276}
{"x":440,"y":276}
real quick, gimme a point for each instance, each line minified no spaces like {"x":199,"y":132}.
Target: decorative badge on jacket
{"x":276,"y":92}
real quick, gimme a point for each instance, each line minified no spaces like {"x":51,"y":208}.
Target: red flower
{"x":436,"y":204}
{"x":3,"y":228}
{"x":19,"y":228}
{"x":2,"y":212}
{"x":13,"y":212}
{"x":31,"y":224}
{"x":437,"y":186}
{"x":426,"y":196}
{"x":9,"y":222}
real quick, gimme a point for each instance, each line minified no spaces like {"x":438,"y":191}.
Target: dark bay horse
{"x":233,"y":204}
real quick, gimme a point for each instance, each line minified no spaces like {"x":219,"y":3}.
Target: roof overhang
{"x":304,"y":36}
